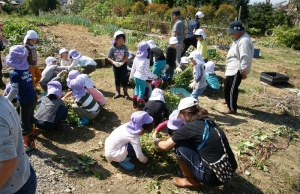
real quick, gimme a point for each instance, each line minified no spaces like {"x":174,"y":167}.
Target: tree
{"x":169,"y":2}
{"x":208,"y":11}
{"x":215,"y":3}
{"x":138,"y":8}
{"x":245,"y":9}
{"x":33,"y":6}
{"x":225,"y":14}
{"x":52,"y":5}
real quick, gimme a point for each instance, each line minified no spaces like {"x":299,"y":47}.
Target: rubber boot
{"x":140,"y":103}
{"x":29,"y":143}
{"x":189,"y":180}
{"x":117,"y":95}
{"x":134,"y":101}
{"x":126,"y":164}
{"x":2,"y":84}
{"x":125,"y":93}
{"x":83,"y":121}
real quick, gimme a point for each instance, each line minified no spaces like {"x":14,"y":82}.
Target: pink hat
{"x":77,"y":87}
{"x":72,"y":75}
{"x":142,"y":50}
{"x":137,"y":120}
{"x":74,"y":54}
{"x":17,"y":57}
{"x":174,"y":122}
{"x":54,"y":87}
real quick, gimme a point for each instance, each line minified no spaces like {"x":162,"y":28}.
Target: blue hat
{"x":137,"y":120}
{"x":142,"y":50}
{"x":176,"y":12}
{"x":235,"y":27}
{"x":17,"y":57}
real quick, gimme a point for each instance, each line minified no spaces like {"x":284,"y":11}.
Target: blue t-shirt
{"x":23,"y":79}
{"x":194,"y":24}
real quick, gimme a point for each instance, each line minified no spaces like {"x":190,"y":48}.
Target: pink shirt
{"x":162,"y":126}
{"x":97,"y":95}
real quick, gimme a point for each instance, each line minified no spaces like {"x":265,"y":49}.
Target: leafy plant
{"x":184,"y":78}
{"x":85,"y":161}
{"x":172,"y":101}
{"x":287,"y":36}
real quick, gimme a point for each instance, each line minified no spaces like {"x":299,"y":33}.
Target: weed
{"x":85,"y":161}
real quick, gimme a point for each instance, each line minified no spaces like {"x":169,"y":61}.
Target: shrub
{"x":208,"y":11}
{"x":287,"y":36}
{"x":225,"y":14}
{"x":138,"y":8}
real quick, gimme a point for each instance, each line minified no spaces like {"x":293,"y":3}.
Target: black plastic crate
{"x":273,"y":78}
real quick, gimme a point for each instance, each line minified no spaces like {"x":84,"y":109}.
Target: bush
{"x":172,"y":101}
{"x":208,"y":11}
{"x":225,"y":14}
{"x":184,"y":79}
{"x":287,"y":36}
{"x":138,"y":8}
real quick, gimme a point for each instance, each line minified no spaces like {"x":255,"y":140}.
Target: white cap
{"x":50,"y":60}
{"x":200,"y":32}
{"x":187,"y":103}
{"x":199,"y":14}
{"x":151,"y":44}
{"x":195,"y":55}
{"x":173,"y":40}
{"x":63,"y":50}
{"x":184,"y":60}
{"x":117,"y":33}
{"x":31,"y":34}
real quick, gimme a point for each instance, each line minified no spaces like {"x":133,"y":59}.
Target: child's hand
{"x":154,"y":135}
{"x":117,"y":64}
{"x":178,"y":69}
{"x":155,"y":143}
{"x":163,"y":71}
{"x":167,"y":66}
{"x":145,"y":160}
{"x":193,"y":85}
{"x":155,"y":76}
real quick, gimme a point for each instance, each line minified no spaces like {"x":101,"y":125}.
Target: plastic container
{"x":273,"y":78}
{"x":256,"y":53}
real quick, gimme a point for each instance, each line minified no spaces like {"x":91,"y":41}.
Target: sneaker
{"x":29,"y":143}
{"x":117,"y":95}
{"x":126,"y":164}
{"x":83,"y":121}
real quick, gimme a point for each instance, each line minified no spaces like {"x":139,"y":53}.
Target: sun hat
{"x":151,"y":44}
{"x":184,"y":60}
{"x":142,"y":50}
{"x":210,"y":67}
{"x":86,"y":80}
{"x":173,"y":40}
{"x":187,"y":103}
{"x":199,"y":14}
{"x":77,"y":87}
{"x":137,"y":120}
{"x":157,"y":94}
{"x":50,"y":60}
{"x":196,"y":56}
{"x":174,"y":122}
{"x":31,"y":34}
{"x":235,"y":27}
{"x":74,"y":54}
{"x":175,"y":12}
{"x":63,"y":50}
{"x":72,"y":75}
{"x":117,"y":33}
{"x":17,"y":57}
{"x":200,"y":32}
{"x":54,"y":87}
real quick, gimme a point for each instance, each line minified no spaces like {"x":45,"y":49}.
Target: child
{"x":72,"y":75}
{"x":184,"y":63}
{"x":21,"y":85}
{"x":14,"y":100}
{"x":198,"y":83}
{"x":156,"y":106}
{"x":86,"y":106}
{"x":118,"y":56}
{"x":79,"y":61}
{"x":29,"y":43}
{"x":3,"y":43}
{"x":201,"y":43}
{"x":171,"y":59}
{"x":64,"y":57}
{"x":49,"y":72}
{"x":172,"y":124}
{"x":158,"y":60}
{"x":140,"y":72}
{"x":124,"y":142}
{"x":210,"y":76}
{"x":52,"y":112}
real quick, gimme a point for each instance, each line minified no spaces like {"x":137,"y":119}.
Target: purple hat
{"x":72,"y":75}
{"x":17,"y":57}
{"x":54,"y":87}
{"x":74,"y":54}
{"x":142,"y":50}
{"x":137,"y":120}
{"x":174,"y":122}
{"x":77,"y":87}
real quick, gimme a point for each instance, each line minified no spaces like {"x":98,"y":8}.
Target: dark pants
{"x":187,"y":43}
{"x":168,"y":74}
{"x":26,"y":114}
{"x":30,"y":186}
{"x":61,"y":114}
{"x":120,"y":74}
{"x":231,"y":90}
{"x":130,"y":150}
{"x":89,"y":69}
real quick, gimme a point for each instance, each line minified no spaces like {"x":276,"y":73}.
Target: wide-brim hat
{"x":77,"y":87}
{"x":74,"y":54}
{"x":50,"y":60}
{"x":200,"y":32}
{"x":151,"y":44}
{"x":31,"y":34}
{"x":88,"y":82}
{"x":54,"y":87}
{"x":17,"y":57}
{"x":63,"y":50}
{"x":187,"y":103}
{"x":72,"y":75}
{"x":235,"y":27}
{"x":142,"y":50}
{"x":174,"y":122}
{"x":137,"y":120}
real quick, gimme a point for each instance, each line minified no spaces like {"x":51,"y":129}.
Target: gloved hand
{"x":167,"y":66}
{"x":120,"y":64}
{"x":193,"y":85}
{"x":69,"y":69}
{"x":116,"y":64}
{"x":178,"y":69}
{"x":155,"y":143}
{"x":155,"y":76}
{"x":154,"y":135}
{"x":163,"y":71}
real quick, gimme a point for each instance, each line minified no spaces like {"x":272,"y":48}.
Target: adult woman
{"x":198,"y":144}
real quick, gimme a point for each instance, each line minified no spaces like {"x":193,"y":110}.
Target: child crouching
{"x":124,"y":142}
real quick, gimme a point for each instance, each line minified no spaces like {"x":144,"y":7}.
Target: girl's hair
{"x":196,"y":112}
{"x":121,"y":35}
{"x":147,"y":127}
{"x":52,"y":96}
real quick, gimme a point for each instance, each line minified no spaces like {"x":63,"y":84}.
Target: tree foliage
{"x":225,"y":14}
{"x":245,"y":9}
{"x":214,"y":3}
{"x":209,"y":12}
{"x":33,"y":6}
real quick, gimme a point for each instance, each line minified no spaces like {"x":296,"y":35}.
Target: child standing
{"x":211,"y":77}
{"x":171,"y":59}
{"x":118,"y":56}
{"x":86,"y":106}
{"x":198,"y":83}
{"x":52,"y":112}
{"x":49,"y":72}
{"x":140,"y":72}
{"x":124,"y":142}
{"x":158,"y":60}
{"x":201,"y":44}
{"x":156,"y":106}
{"x":79,"y":61}
{"x":29,"y":43}
{"x":64,"y":57}
{"x":21,"y":85}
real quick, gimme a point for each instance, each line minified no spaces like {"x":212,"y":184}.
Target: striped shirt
{"x":88,"y":102}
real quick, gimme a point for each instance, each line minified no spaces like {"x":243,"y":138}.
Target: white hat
{"x":210,"y":67}
{"x":199,"y":14}
{"x":50,"y":60}
{"x":157,"y":94}
{"x":184,"y":60}
{"x":117,"y":33}
{"x":31,"y":34}
{"x":200,"y":32}
{"x":196,"y":55}
{"x":151,"y":44}
{"x":63,"y":50}
{"x":173,"y":40}
{"x":187,"y":103}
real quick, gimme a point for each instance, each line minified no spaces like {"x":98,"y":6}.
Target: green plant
{"x":184,"y":79}
{"x":287,"y":36}
{"x":85,"y":161}
{"x":172,"y":101}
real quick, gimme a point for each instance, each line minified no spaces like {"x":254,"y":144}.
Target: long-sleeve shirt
{"x":140,"y":69}
{"x":156,"y":54}
{"x":171,"y":56}
{"x":158,"y":110}
{"x":116,"y":145}
{"x":240,"y":55}
{"x":82,"y":62}
{"x":202,"y":48}
{"x":199,"y":76}
{"x":49,"y":73}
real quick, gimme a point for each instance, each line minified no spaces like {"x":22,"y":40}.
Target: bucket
{"x":256,"y":53}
